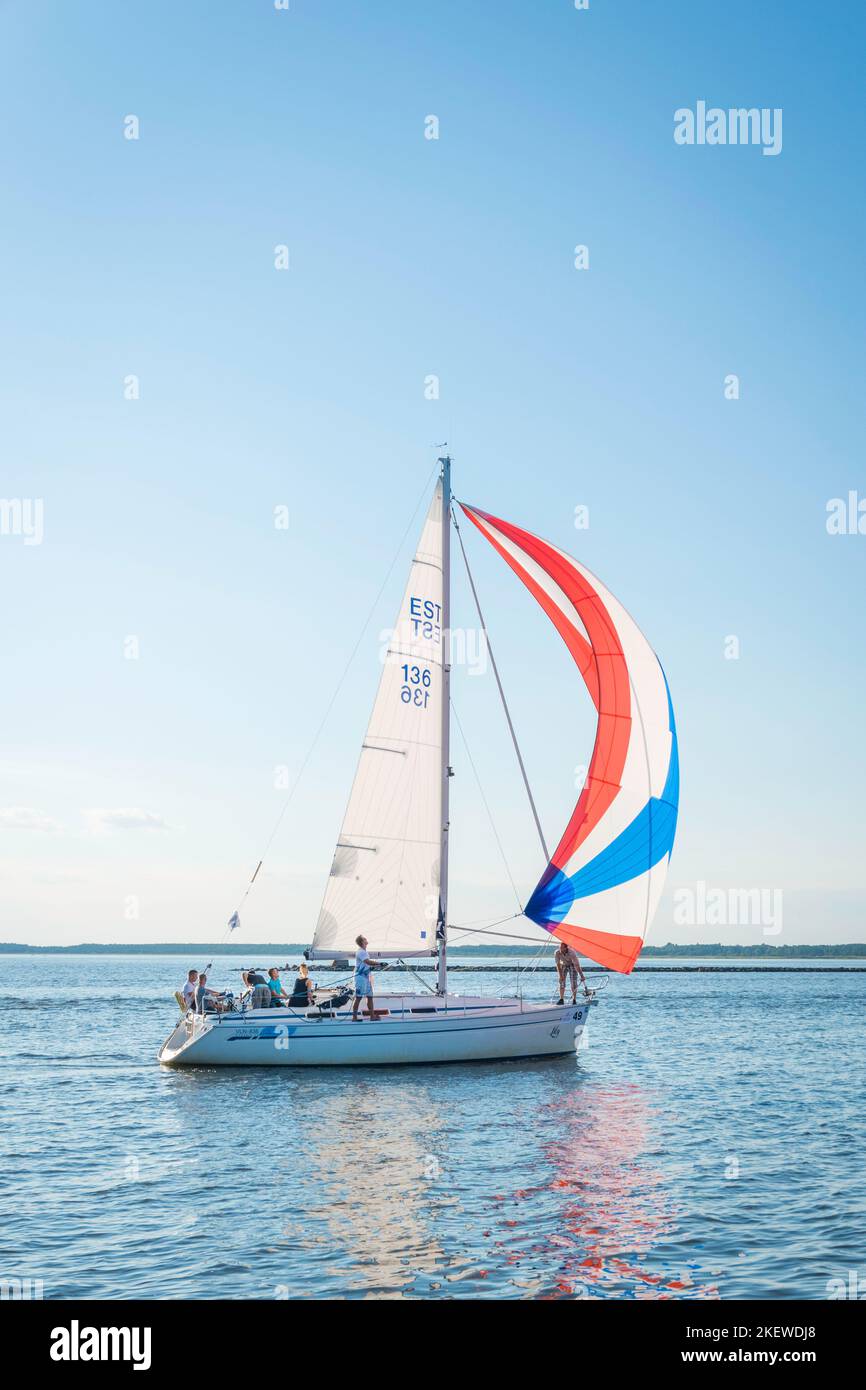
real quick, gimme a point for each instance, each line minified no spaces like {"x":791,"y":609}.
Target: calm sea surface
{"x":708,"y":1142}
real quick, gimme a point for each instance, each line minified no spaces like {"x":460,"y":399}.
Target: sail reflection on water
{"x":374,"y":1167}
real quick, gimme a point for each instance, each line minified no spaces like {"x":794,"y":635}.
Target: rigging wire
{"x":503,"y":936}
{"x":312,"y":747}
{"x":488,"y":810}
{"x":482,"y":922}
{"x":414,"y":973}
{"x":534,"y":962}
{"x":501,"y":692}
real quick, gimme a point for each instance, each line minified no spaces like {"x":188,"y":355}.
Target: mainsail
{"x":384,"y":881}
{"x":604,"y":880}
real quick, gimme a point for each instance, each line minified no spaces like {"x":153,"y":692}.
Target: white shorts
{"x":363,"y":987}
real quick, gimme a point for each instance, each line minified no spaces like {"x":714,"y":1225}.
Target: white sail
{"x":384,"y":881}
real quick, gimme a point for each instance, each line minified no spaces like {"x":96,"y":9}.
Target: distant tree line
{"x":195,"y":949}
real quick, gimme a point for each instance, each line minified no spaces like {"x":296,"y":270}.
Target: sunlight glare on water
{"x":706,"y":1143}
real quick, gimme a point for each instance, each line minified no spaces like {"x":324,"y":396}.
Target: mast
{"x":442,"y":924}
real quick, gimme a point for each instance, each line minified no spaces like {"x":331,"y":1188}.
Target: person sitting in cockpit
{"x":189,"y":988}
{"x":275,"y":985}
{"x":303,"y":992}
{"x":207,"y":1001}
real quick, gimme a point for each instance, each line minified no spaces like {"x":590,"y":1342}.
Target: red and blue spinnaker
{"x":604,"y":880}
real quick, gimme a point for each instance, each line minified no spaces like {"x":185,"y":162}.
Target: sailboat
{"x":389,"y":877}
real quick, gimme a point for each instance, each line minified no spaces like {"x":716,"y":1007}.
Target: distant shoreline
{"x":195,"y":949}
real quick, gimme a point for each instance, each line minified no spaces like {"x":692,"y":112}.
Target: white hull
{"x":414,"y":1030}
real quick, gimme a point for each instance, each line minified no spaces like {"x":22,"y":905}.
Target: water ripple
{"x":705,"y":1144}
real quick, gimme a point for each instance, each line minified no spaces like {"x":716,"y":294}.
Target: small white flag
{"x":234,"y":921}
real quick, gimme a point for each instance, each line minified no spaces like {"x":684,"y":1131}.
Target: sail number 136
{"x":415,"y":689}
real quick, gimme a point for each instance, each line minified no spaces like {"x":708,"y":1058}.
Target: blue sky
{"x":305,"y":387}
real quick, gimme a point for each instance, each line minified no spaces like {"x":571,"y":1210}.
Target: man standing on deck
{"x":363,"y":982}
{"x":568,"y":968}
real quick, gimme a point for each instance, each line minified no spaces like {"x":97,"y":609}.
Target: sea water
{"x":706,"y":1142}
